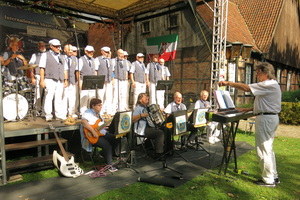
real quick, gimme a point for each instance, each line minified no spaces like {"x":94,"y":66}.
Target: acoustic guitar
{"x":97,"y":128}
{"x":66,"y":166}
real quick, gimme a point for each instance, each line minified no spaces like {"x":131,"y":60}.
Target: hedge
{"x":290,"y":113}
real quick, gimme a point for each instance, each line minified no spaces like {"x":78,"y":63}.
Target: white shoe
{"x":211,"y":140}
{"x":216,"y":139}
{"x":74,"y":116}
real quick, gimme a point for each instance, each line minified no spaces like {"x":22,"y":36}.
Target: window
{"x":278,"y":75}
{"x":231,"y":75}
{"x":248,"y":75}
{"x":146,"y":27}
{"x":288,"y":84}
{"x":173,"y":21}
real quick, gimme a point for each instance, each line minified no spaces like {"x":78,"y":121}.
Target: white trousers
{"x":38,"y":94}
{"x":160,"y":95}
{"x":152,"y":93}
{"x":212,"y":129}
{"x":69,"y":99}
{"x":156,"y":96}
{"x":85,"y":97}
{"x":139,"y":88}
{"x":265,"y":127}
{"x":54,"y":89}
{"x":120,"y":91}
{"x":106,"y":95}
{"x":127,"y":94}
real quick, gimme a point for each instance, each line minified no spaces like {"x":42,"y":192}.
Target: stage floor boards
{"x":31,"y":126}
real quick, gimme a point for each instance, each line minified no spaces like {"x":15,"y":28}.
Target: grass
{"x":210,"y":185}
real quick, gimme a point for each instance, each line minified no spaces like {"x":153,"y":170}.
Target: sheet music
{"x":228,"y":99}
{"x":220,"y":99}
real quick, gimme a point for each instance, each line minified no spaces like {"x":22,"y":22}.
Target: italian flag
{"x":165,"y":46}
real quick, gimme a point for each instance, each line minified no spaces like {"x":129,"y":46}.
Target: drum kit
{"x":18,"y":96}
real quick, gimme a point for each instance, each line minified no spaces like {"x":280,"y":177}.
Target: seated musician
{"x":107,"y":142}
{"x":177,"y":105}
{"x":212,"y":128}
{"x":145,"y":127}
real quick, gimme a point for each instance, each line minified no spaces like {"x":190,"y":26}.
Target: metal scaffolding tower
{"x":218,"y":44}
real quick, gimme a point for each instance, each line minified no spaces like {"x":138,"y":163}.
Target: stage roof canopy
{"x":114,"y":8}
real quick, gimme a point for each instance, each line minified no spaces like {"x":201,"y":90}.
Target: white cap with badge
{"x":106,"y":49}
{"x":89,"y":48}
{"x":140,"y":55}
{"x":55,"y":42}
{"x":74,"y":48}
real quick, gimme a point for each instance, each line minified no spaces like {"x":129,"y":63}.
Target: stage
{"x":175,"y":172}
{"x":35,"y":126}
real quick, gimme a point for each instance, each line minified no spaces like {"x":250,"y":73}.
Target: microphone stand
{"x":17,"y":93}
{"x":78,"y":81}
{"x":33,"y":107}
{"x":118,"y":62}
{"x":155,"y":95}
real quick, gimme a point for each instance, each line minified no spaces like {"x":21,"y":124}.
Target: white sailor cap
{"x":106,"y":49}
{"x":89,"y":48}
{"x":125,"y":53}
{"x":140,"y":55}
{"x":74,"y":48}
{"x":54,"y":42}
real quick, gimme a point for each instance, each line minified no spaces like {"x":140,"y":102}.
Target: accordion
{"x":156,"y":115}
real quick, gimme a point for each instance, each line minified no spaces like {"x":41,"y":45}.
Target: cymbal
{"x":26,"y":67}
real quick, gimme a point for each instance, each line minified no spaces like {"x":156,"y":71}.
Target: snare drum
{"x":10,"y":106}
{"x":8,"y":88}
{"x":23,"y":84}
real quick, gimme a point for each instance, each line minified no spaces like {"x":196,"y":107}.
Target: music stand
{"x":179,"y":121}
{"x":93,"y":82}
{"x":198,"y":119}
{"x":120,"y":127}
{"x":165,"y":85}
{"x":180,"y":127}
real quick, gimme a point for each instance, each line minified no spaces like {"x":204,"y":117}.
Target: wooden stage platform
{"x":30,"y":137}
{"x":30,"y":126}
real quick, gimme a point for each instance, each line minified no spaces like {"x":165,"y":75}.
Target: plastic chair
{"x":249,"y":125}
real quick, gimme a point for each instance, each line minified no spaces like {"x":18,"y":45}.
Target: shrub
{"x":290,"y":113}
{"x":291,"y":96}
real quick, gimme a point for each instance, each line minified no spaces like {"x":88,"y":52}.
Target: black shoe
{"x":263,"y":184}
{"x":277,"y":181}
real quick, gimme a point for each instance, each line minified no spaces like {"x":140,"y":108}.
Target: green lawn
{"x":210,"y":185}
{"x":233,"y":186}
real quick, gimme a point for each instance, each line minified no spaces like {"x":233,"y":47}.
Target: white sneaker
{"x":216,"y":139}
{"x":211,"y":140}
{"x":74,"y":116}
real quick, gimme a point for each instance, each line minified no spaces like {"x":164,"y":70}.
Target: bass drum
{"x":10,"y":107}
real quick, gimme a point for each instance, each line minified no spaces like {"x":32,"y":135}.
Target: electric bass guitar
{"x":66,"y":166}
{"x":97,"y":128}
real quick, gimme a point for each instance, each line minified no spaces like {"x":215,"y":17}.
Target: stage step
{"x":28,"y":162}
{"x":32,"y":144}
{"x":32,"y":161}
